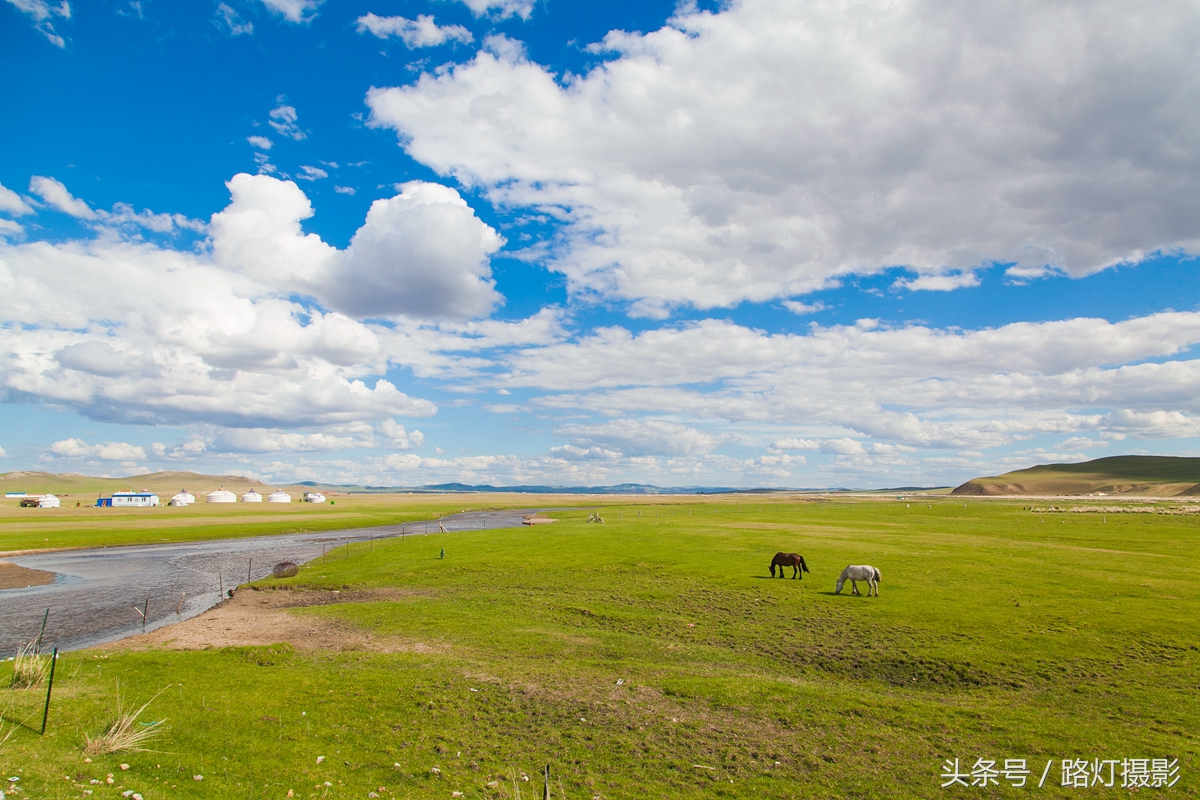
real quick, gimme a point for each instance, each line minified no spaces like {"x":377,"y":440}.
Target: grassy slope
{"x":37,"y":528}
{"x":1140,"y":475}
{"x":165,"y":483}
{"x":996,"y":636}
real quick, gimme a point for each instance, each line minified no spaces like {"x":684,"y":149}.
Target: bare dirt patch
{"x":253,"y":618}
{"x":15,"y":577}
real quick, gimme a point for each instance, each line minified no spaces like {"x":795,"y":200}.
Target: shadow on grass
{"x":843,"y":594}
{"x":769,"y":578}
{"x":7,"y":718}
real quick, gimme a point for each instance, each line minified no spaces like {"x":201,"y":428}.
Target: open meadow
{"x":23,"y":529}
{"x":653,"y":656}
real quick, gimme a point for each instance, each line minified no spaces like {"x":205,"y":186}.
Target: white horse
{"x":860,"y":572}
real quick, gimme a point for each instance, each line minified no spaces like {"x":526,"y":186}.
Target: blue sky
{"x":751,"y":244}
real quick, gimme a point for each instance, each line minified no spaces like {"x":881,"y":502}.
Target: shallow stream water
{"x":99,"y":595}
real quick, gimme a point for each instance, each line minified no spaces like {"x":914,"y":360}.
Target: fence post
{"x":46,"y":616}
{"x":49,"y":688}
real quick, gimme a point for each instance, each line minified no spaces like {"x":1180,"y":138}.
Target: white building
{"x":279,"y":496}
{"x":252,"y":497}
{"x":313,"y":497}
{"x":138,"y":499}
{"x":15,"y":495}
{"x":221,"y":496}
{"x":184,"y":498}
{"x":49,"y":501}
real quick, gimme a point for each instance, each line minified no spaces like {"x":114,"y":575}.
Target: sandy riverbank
{"x":15,"y":577}
{"x":270,"y":617}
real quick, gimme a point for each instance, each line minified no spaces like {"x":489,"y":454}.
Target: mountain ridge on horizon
{"x":37,"y":481}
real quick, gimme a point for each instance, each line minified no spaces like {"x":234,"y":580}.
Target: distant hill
{"x":168,"y":483}
{"x":1159,"y":476}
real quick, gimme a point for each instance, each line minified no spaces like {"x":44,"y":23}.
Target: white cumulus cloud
{"x":420,"y":32}
{"x":761,"y":151}
{"x":792,"y":443}
{"x":500,"y":9}
{"x":283,"y":118}
{"x":13,"y":203}
{"x":109,"y":451}
{"x":644,"y":437}
{"x":56,"y":194}
{"x":947,"y":282}
{"x":294,"y":10}
{"x":399,"y":438}
{"x":422,"y":253}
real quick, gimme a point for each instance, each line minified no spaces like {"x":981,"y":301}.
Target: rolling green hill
{"x":67,"y":484}
{"x":1158,"y":476}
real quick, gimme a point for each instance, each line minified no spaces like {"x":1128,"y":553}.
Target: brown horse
{"x":793,"y":560}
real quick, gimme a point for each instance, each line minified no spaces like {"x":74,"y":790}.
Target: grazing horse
{"x":860,"y":572}
{"x":793,"y":560}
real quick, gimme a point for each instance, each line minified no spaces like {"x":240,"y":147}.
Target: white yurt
{"x":314,"y":497}
{"x":184,"y":498}
{"x":279,"y":496}
{"x":252,"y":497}
{"x":49,"y":501}
{"x":221,"y":496}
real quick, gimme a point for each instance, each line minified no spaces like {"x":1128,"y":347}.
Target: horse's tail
{"x":878,"y":575}
{"x":803,"y":565}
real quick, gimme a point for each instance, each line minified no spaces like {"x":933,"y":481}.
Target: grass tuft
{"x":30,"y":667}
{"x":126,"y":733}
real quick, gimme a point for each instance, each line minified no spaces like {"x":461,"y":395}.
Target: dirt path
{"x":14,"y":577}
{"x":264,"y":617}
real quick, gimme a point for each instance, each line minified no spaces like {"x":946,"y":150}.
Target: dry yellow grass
{"x":126,"y":733}
{"x":30,"y":667}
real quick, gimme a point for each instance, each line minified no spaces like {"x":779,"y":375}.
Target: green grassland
{"x":652,"y":656}
{"x":1156,"y":476}
{"x":87,"y":526}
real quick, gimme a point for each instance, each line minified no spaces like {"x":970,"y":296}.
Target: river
{"x":99,"y":595}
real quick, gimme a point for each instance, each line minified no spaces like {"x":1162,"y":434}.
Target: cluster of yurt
{"x":223,"y":495}
{"x":182,"y":498}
